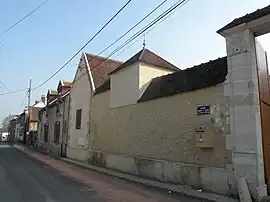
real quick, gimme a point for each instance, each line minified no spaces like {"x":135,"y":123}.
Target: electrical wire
{"x":168,"y":11}
{"x":145,"y":34}
{"x":92,"y":38}
{"x":4,"y":86}
{"x":22,"y":103}
{"x":140,"y":32}
{"x":178,"y":4}
{"x":23,"y":18}
{"x":133,"y":27}
{"x":12,"y":92}
{"x":66,"y":63}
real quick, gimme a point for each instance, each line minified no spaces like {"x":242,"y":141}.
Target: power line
{"x":154,"y":27}
{"x":151,"y":24}
{"x":3,"y":85}
{"x":66,"y":63}
{"x":167,"y":12}
{"x":23,"y":18}
{"x":133,"y":27}
{"x":22,"y":103}
{"x":12,"y":92}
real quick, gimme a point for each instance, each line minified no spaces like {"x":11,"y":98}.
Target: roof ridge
{"x":142,"y":52}
{"x":103,"y":58}
{"x":162,"y":58}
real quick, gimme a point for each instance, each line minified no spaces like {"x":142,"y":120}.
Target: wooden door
{"x":264,"y":92}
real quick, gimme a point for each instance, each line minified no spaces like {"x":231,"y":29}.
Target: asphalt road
{"x":38,"y":178}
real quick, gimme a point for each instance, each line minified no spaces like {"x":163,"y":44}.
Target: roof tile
{"x":148,"y":57}
{"x":100,"y":68}
{"x":197,"y":77}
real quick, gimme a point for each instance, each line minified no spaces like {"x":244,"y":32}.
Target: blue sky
{"x":38,"y":46}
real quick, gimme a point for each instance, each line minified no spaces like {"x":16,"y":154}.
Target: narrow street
{"x":39,"y":178}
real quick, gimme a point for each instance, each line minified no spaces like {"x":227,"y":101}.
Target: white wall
{"x":80,"y":97}
{"x":125,"y":86}
{"x":128,"y":84}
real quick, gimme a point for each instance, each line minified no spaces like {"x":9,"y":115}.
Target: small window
{"x":78,"y":118}
{"x":56,"y":132}
{"x":46,"y":132}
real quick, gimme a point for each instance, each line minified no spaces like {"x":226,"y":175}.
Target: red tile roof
{"x":100,"y":68}
{"x":148,"y":57}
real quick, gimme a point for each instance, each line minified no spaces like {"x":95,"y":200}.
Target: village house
{"x":18,"y":130}
{"x":12,"y":128}
{"x":53,"y":121}
{"x":206,"y":126}
{"x":24,"y":126}
{"x":157,"y":125}
{"x":92,"y":72}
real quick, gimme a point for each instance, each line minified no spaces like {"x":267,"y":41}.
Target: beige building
{"x":206,"y":126}
{"x":53,"y":121}
{"x":91,"y":73}
{"x":154,"y":120}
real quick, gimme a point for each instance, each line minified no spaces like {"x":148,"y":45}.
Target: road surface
{"x":40,"y":178}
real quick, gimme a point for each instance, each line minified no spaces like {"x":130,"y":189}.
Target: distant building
{"x":53,"y":121}
{"x":12,"y":128}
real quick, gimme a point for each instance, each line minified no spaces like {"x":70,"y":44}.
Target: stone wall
{"x":211,"y":179}
{"x":164,"y":128}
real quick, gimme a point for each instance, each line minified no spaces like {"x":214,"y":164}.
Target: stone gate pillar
{"x":242,"y":87}
{"x":245,"y":140}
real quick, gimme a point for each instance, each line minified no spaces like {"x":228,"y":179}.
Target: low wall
{"x":50,"y":148}
{"x":217,"y":180}
{"x":78,"y":154}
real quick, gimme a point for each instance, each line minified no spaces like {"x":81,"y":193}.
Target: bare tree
{"x":7,"y":119}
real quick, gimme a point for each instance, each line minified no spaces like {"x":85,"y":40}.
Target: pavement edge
{"x":178,"y":189}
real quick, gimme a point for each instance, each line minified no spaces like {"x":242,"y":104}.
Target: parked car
{"x":4,"y":137}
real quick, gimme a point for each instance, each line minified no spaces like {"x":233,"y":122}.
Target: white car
{"x":4,"y":137}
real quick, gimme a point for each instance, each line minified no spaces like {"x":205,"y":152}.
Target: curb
{"x":177,"y":189}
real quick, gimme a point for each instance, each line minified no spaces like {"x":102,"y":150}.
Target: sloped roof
{"x":247,"y":18}
{"x":197,"y":77}
{"x":104,"y":87}
{"x":100,"y":67}
{"x":66,"y":83}
{"x":148,"y":57}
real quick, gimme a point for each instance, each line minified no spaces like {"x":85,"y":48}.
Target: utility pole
{"x":29,"y":93}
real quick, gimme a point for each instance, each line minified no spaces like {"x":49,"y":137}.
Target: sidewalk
{"x":171,"y":188}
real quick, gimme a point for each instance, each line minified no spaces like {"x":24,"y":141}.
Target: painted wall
{"x":125,"y":86}
{"x":40,"y":104}
{"x":80,"y":97}
{"x":164,"y":128}
{"x":17,"y":131}
{"x":147,"y":73}
{"x":129,"y":83}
